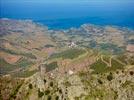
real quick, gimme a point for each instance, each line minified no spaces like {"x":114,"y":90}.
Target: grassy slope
{"x":7,"y":68}
{"x":100,"y":67}
{"x":68,"y":54}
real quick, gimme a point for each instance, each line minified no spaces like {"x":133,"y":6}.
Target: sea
{"x":63,"y":15}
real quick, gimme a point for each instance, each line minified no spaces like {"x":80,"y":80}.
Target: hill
{"x":86,"y":63}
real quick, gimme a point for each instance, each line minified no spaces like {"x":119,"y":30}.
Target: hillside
{"x":86,"y":63}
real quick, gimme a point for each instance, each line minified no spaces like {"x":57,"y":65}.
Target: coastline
{"x":60,"y":25}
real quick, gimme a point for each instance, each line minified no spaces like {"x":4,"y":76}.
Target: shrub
{"x":30,"y":86}
{"x":51,"y":84}
{"x":47,"y":92}
{"x":127,"y":83}
{"x":57,"y":98}
{"x":40,"y":94}
{"x":131,"y":72}
{"x":110,"y":77}
{"x":49,"y":98}
{"x":49,"y":45}
{"x":117,"y":72}
{"x":99,"y":81}
{"x":60,"y":91}
{"x":51,"y":66}
{"x":45,"y":80}
{"x":13,"y":95}
{"x":67,"y":84}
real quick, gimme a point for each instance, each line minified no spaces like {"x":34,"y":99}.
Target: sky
{"x":120,"y":11}
{"x":66,"y":2}
{"x":95,"y":2}
{"x":58,"y":1}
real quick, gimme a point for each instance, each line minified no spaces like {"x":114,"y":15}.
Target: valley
{"x":86,"y":63}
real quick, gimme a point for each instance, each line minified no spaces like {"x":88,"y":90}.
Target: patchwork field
{"x":85,"y":63}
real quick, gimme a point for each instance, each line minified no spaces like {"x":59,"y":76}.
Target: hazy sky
{"x":67,"y":1}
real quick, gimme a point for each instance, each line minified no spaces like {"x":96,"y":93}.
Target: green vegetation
{"x":109,"y":62}
{"x":116,"y":65}
{"x":24,"y":74}
{"x":115,"y":95}
{"x":29,"y":55}
{"x":100,"y":67}
{"x":93,"y":44}
{"x":49,"y":45}
{"x":131,"y":41}
{"x":131,"y":73}
{"x":60,"y":91}
{"x":122,"y":58}
{"x":6,"y":67}
{"x":126,"y":59}
{"x":57,"y":98}
{"x":51,"y":84}
{"x":24,"y":63}
{"x":100,"y":81}
{"x":128,"y":83}
{"x":110,"y":77}
{"x":30,"y":86}
{"x":82,"y":74}
{"x":109,"y":46}
{"x":40,"y":94}
{"x":47,"y":92}
{"x":106,"y":58}
{"x":68,"y":54}
{"x":98,"y":93}
{"x":67,"y":84}
{"x":51,"y":66}
{"x":131,"y":60}
{"x":13,"y":94}
{"x":45,"y":80}
{"x":49,"y":98}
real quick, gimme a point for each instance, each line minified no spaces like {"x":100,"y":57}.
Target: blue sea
{"x":63,"y":15}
